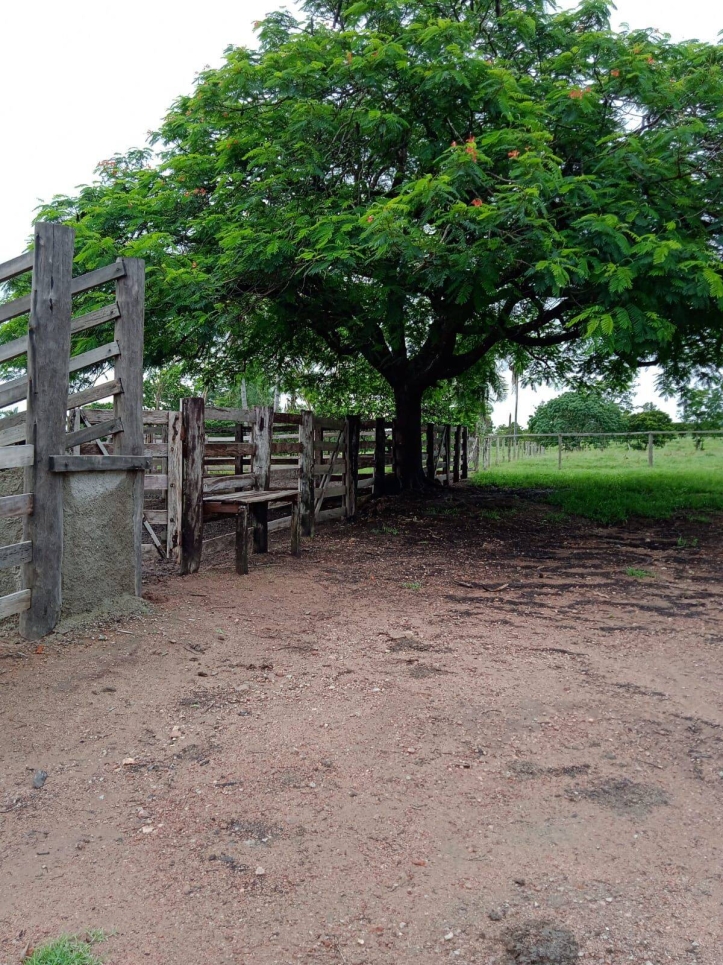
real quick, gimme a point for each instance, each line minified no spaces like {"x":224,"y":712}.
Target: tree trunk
{"x":408,"y":438}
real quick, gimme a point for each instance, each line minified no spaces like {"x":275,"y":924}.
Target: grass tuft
{"x":65,"y":951}
{"x":640,"y":574}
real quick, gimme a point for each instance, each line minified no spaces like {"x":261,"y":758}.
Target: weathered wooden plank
{"x":14,"y":603}
{"x":306,"y":473}
{"x":431,"y":455}
{"x":15,"y":457}
{"x":334,"y":490}
{"x":230,"y":415}
{"x":9,"y":437}
{"x":113,"y":463}
{"x":16,"y":554}
{"x":19,"y":346}
{"x":296,"y":528}
{"x":216,"y":450}
{"x":192,"y":438}
{"x":156,"y":517}
{"x":16,"y":266}
{"x":95,"y":356}
{"x":46,"y":413}
{"x":157,"y":449}
{"x":20,"y":505}
{"x":324,"y":423}
{"x":457,"y":453}
{"x":238,"y":463}
{"x":224,"y":484}
{"x":261,"y":436}
{"x":352,"y":473}
{"x":91,"y":433}
{"x":80,"y":284}
{"x":285,"y":447}
{"x":130,"y":297}
{"x":366,"y":482}
{"x":154,"y":539}
{"x":339,"y":467}
{"x":242,"y":541}
{"x":380,"y":457}
{"x":174,"y":497}
{"x":465,"y":452}
{"x":19,"y":306}
{"x":95,"y":393}
{"x":287,"y":418}
{"x":156,"y":481}
{"x":326,"y":514}
{"x":13,"y":391}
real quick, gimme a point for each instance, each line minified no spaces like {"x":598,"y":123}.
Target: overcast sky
{"x":82,"y":80}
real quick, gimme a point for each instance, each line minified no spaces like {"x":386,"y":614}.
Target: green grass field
{"x":610,"y":485}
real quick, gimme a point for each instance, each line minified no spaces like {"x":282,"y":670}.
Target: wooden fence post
{"x":306,"y":473}
{"x":48,"y":354}
{"x":457,"y":453}
{"x":650,"y":448}
{"x":174,"y":496}
{"x":447,"y":430}
{"x":261,"y":436}
{"x":559,"y":452}
{"x":431,"y":454}
{"x":380,"y":456}
{"x":238,"y":463}
{"x":353,"y":429}
{"x":193,"y":437}
{"x":465,"y":452}
{"x":128,"y":405}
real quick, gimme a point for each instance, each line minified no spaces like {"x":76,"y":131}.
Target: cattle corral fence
{"x":80,"y":515}
{"x":205,"y":451}
{"x":82,"y":479}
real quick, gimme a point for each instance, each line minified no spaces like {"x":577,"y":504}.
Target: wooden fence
{"x":38,"y":439}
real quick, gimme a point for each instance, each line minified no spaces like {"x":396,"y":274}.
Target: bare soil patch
{"x":454,"y":731}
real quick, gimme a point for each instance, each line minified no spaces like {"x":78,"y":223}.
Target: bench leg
{"x":242,"y":541}
{"x":260,"y":514}
{"x":295,"y":528}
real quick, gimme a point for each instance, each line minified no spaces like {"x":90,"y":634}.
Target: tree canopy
{"x":421,"y":188}
{"x":579,"y":412}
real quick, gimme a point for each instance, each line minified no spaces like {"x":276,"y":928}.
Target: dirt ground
{"x":451,"y":732}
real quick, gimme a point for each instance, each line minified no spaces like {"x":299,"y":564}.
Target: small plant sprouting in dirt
{"x":442,"y":511}
{"x":555,"y":518}
{"x":684,"y":543}
{"x":639,"y":574}
{"x":413,"y":585}
{"x":67,"y":951}
{"x":541,"y":943}
{"x":699,"y":519}
{"x":385,"y":530}
{"x":493,"y":514}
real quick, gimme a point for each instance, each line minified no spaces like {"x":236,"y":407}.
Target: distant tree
{"x":649,"y":419}
{"x":702,"y":409}
{"x":579,"y":412}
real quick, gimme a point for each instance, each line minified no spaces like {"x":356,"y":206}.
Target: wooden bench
{"x":254,"y":506}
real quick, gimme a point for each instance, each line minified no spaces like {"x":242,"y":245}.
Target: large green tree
{"x":431,"y":185}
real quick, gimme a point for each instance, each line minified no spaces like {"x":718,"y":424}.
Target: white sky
{"x":82,"y":80}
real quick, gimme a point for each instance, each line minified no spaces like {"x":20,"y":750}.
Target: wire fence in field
{"x":603,"y":450}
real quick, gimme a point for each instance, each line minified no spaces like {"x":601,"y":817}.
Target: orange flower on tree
{"x":513,"y":154}
{"x":615,"y":73}
{"x":477,"y":203}
{"x":576,"y":94}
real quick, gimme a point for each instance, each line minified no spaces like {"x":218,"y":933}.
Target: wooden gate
{"x":37,"y":439}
